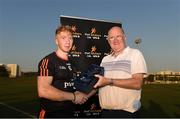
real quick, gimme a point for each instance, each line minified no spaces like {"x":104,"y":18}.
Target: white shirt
{"x":130,"y":61}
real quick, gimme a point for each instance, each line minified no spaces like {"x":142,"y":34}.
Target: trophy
{"x":86,"y":79}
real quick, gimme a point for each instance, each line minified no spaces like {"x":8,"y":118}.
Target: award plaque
{"x":86,"y":80}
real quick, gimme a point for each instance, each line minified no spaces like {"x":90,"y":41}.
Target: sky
{"x":27,"y":28}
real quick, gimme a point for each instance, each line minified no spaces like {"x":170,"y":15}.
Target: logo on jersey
{"x":69,"y":66}
{"x":68,"y":84}
{"x":62,"y":67}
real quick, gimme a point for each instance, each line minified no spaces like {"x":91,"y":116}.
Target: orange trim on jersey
{"x":44,"y":72}
{"x":47,"y":63}
{"x":43,"y":62}
{"x":47,"y":71}
{"x":42,"y":114}
{"x":40,"y":71}
{"x":44,"y":67}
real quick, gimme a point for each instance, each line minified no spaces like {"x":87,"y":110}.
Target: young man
{"x":55,"y":79}
{"x":120,"y":87}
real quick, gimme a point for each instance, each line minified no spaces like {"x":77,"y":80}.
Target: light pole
{"x":137,"y":41}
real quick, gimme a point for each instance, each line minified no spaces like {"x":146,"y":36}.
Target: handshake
{"x":86,"y":80}
{"x":79,"y":97}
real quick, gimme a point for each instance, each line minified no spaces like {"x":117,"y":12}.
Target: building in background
{"x":14,"y":70}
{"x":165,"y":77}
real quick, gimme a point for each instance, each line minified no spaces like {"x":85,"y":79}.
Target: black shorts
{"x":56,"y":114}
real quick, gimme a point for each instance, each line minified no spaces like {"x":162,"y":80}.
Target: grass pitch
{"x":18,"y":98}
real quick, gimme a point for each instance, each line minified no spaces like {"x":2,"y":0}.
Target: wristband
{"x":74,"y":97}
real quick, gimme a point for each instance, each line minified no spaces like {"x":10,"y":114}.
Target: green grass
{"x":20,"y":93}
{"x":158,"y":100}
{"x":161,"y":100}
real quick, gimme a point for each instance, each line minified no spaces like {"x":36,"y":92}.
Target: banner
{"x":90,"y":46}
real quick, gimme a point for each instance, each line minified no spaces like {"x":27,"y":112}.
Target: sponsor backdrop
{"x":90,"y":46}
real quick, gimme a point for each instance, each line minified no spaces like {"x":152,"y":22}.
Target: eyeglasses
{"x":115,"y":37}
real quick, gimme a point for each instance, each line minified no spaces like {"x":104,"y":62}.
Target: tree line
{"x":3,"y":71}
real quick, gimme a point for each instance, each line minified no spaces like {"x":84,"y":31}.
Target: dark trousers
{"x":56,"y":114}
{"x":119,"y":114}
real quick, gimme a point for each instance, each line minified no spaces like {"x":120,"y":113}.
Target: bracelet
{"x":74,"y":97}
{"x":111,"y":81}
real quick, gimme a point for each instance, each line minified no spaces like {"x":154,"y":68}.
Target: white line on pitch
{"x":18,"y":110}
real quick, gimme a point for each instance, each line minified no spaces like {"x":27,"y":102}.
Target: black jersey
{"x":62,"y":73}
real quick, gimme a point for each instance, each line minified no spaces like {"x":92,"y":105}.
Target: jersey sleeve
{"x":45,"y":67}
